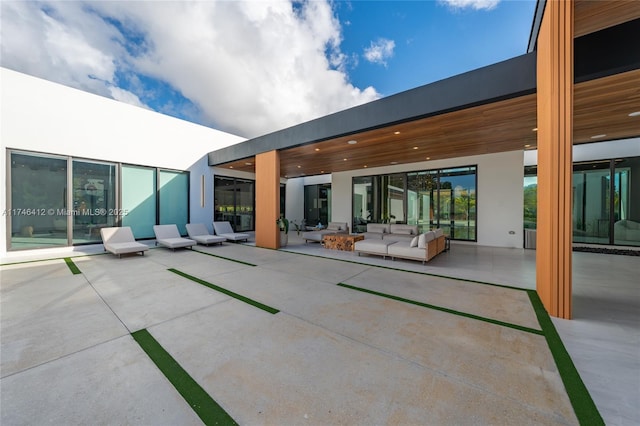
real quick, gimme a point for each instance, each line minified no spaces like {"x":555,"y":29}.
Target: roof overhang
{"x":491,"y":109}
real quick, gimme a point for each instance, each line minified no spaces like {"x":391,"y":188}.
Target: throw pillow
{"x":414,"y":242}
{"x":422,"y":241}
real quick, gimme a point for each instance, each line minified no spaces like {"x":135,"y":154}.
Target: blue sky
{"x":253,"y":67}
{"x":432,"y":41}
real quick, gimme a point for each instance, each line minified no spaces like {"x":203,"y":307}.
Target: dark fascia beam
{"x":607,"y":52}
{"x":508,"y":79}
{"x":535,"y":25}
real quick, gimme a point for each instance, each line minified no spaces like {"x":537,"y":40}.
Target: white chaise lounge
{"x":224,"y":229}
{"x":169,"y":236}
{"x":200,"y":233}
{"x":120,"y":240}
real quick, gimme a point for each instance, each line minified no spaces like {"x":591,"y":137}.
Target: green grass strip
{"x":447,"y":310}
{"x":204,"y":406}
{"x":225,"y":258}
{"x":584,"y":407}
{"x":227,"y":292}
{"x":74,"y":269}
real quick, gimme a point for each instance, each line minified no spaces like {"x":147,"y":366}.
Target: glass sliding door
{"x":421,"y":199}
{"x":362,"y":202}
{"x":626,"y":203}
{"x":94,"y":200}
{"x":139,"y":200}
{"x":317,"y":204}
{"x":38,"y":213}
{"x":234,"y":202}
{"x":174,"y":199}
{"x":606,"y":201}
{"x":393,"y":193}
{"x":591,"y":202}
{"x":457,"y":203}
{"x":245,"y":199}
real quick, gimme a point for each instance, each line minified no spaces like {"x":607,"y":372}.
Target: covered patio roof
{"x":488,"y":110}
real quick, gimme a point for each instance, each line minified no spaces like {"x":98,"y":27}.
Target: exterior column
{"x":555,"y":168}
{"x":267,"y":199}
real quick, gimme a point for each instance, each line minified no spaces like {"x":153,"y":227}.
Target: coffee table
{"x":344,"y":242}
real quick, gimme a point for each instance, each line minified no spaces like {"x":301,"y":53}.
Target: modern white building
{"x":76,"y":162}
{"x":455,"y":154}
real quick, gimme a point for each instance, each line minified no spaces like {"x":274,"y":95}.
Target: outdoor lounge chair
{"x":169,"y":236}
{"x":224,"y":229}
{"x":200,"y":233}
{"x":120,"y":240}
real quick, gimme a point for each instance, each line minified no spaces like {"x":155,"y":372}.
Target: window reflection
{"x":444,"y":198}
{"x":38,"y":201}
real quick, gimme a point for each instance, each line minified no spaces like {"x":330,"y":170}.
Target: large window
{"x":362,"y":202}
{"x":174,"y":199}
{"x":606,"y":210}
{"x":139,"y":200}
{"x":444,"y":198}
{"x":37,"y":211}
{"x":94,"y":200}
{"x":422,"y":201}
{"x":60,"y":201}
{"x":234,"y":202}
{"x":457,"y":203}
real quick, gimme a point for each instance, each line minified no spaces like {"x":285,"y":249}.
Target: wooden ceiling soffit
{"x":601,"y":106}
{"x":591,"y":16}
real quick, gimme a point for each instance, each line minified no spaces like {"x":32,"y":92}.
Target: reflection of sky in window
{"x":530,"y":180}
{"x":466,"y":181}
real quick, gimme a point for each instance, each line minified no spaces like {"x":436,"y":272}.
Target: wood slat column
{"x":555,"y":168}
{"x":267,"y":199}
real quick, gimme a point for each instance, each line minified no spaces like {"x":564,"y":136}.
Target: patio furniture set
{"x":120,"y":240}
{"x":393,"y":240}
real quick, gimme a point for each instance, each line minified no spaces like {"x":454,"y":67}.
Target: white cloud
{"x":125,"y":96}
{"x":379,"y":51}
{"x":470,"y":4}
{"x":249,"y":67}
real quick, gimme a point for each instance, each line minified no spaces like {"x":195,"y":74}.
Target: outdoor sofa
{"x":120,"y":240}
{"x":423,"y":247}
{"x":391,"y":231}
{"x":332,"y":228}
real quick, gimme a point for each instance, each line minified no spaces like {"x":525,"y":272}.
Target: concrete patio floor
{"x":351,"y":343}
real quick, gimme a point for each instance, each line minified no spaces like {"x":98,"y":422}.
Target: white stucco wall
{"x":499,"y":194}
{"x":295,"y":195}
{"x":41,"y":116}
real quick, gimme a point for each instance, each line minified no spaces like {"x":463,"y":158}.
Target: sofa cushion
{"x":401,"y":249}
{"x":376,"y":246}
{"x":423,"y":239}
{"x":373,"y":235}
{"x":404,"y":229}
{"x":398,"y":237}
{"x":414,"y":242}
{"x":381,"y":228}
{"x":338,"y":226}
{"x":438,"y":232}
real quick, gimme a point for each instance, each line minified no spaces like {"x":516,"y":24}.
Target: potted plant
{"x":299,"y":226}
{"x":283,"y":225}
